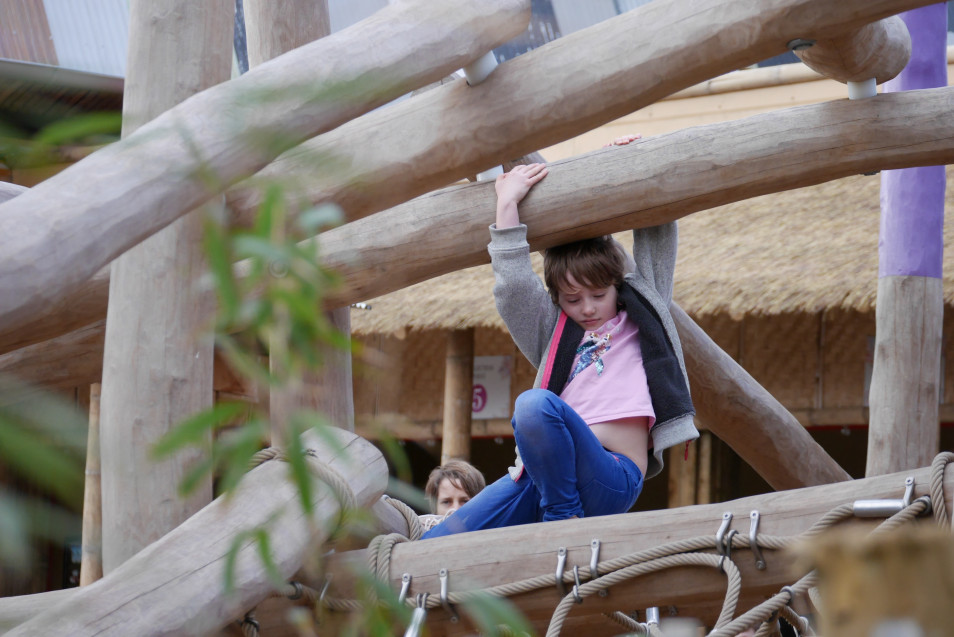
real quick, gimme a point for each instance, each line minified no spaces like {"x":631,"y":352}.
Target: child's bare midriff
{"x":629,"y":436}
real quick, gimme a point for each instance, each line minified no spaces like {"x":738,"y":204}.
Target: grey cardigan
{"x":533,"y":321}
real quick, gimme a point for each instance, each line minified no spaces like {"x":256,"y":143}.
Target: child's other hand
{"x":623,"y":140}
{"x":512,"y":187}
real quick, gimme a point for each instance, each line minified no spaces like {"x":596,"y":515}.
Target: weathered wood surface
{"x":553,"y":93}
{"x":498,"y":556}
{"x":744,"y":415}
{"x":51,"y":238}
{"x":458,"y":395}
{"x":91,"y":561}
{"x":650,"y":181}
{"x":903,"y":429}
{"x":879,"y":50}
{"x":9,"y":191}
{"x":175,"y":585}
{"x":153,"y":346}
{"x":274,"y":28}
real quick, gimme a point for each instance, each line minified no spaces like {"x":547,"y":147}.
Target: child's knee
{"x":531,"y":403}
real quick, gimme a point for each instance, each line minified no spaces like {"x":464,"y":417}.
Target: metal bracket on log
{"x":753,"y":540}
{"x":884,"y":508}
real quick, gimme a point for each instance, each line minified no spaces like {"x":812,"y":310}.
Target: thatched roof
{"x":803,"y":250}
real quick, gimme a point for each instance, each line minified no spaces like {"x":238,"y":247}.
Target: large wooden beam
{"x":748,"y":418}
{"x":498,"y":556}
{"x":557,"y":91}
{"x":175,"y":585}
{"x":52,"y":237}
{"x":650,"y":181}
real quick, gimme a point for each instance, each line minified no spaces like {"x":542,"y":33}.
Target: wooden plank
{"x":135,"y":187}
{"x":523,"y":107}
{"x":745,"y":416}
{"x":498,"y":556}
{"x":157,"y":370}
{"x":458,"y":395}
{"x":175,"y":585}
{"x":878,"y":50}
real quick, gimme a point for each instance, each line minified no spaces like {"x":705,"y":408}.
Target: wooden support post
{"x":156,"y":369}
{"x":905,"y":384}
{"x":458,"y":395}
{"x":614,"y":189}
{"x":176,"y":585}
{"x":748,"y":418}
{"x":682,"y":464}
{"x":91,"y":564}
{"x":274,"y":28}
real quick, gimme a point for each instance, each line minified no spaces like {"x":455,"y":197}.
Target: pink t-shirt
{"x":607,"y":381}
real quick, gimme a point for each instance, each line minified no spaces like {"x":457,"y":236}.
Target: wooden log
{"x":175,"y":585}
{"x":906,"y":384}
{"x":274,"y":28}
{"x":651,"y":181}
{"x":648,"y":182}
{"x":498,"y":556}
{"x":141,"y":184}
{"x":9,"y":191}
{"x":458,"y":395}
{"x":22,"y":608}
{"x":546,"y":96}
{"x":157,"y":371}
{"x":878,"y":50}
{"x":903,"y":427}
{"x":91,"y":562}
{"x":748,"y":418}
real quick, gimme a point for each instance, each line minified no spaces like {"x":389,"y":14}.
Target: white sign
{"x":491,"y":387}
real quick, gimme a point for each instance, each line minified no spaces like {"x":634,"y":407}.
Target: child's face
{"x":589,"y":307}
{"x":450,"y":496}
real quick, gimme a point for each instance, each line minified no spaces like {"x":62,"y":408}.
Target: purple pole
{"x":912,"y":199}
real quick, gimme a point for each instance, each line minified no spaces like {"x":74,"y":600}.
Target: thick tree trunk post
{"x":156,"y":368}
{"x":904,"y":430}
{"x":175,"y":586}
{"x":91,"y":564}
{"x":274,"y":28}
{"x":749,"y":419}
{"x":609,"y":190}
{"x":458,"y":395}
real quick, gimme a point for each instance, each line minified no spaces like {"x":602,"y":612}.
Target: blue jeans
{"x":567,"y":472}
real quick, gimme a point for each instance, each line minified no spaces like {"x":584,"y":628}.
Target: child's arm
{"x":511,"y":188}
{"x":521,"y":298}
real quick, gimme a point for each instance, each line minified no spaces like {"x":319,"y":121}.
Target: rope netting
{"x":692,"y":552}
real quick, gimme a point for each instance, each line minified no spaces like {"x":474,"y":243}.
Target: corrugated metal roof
{"x":90,"y":35}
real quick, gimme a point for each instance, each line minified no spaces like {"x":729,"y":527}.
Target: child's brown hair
{"x":597,"y":263}
{"x":459,"y":472}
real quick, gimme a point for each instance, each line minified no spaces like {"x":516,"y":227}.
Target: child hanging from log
{"x":611,"y":392}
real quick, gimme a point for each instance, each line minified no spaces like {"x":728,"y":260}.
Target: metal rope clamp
{"x":754,"y":542}
{"x":417,"y":617}
{"x":561,"y":567}
{"x":884,"y":508}
{"x":720,"y":537}
{"x":576,"y":585}
{"x":595,"y":564}
{"x":405,"y":587}
{"x":442,"y":574}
